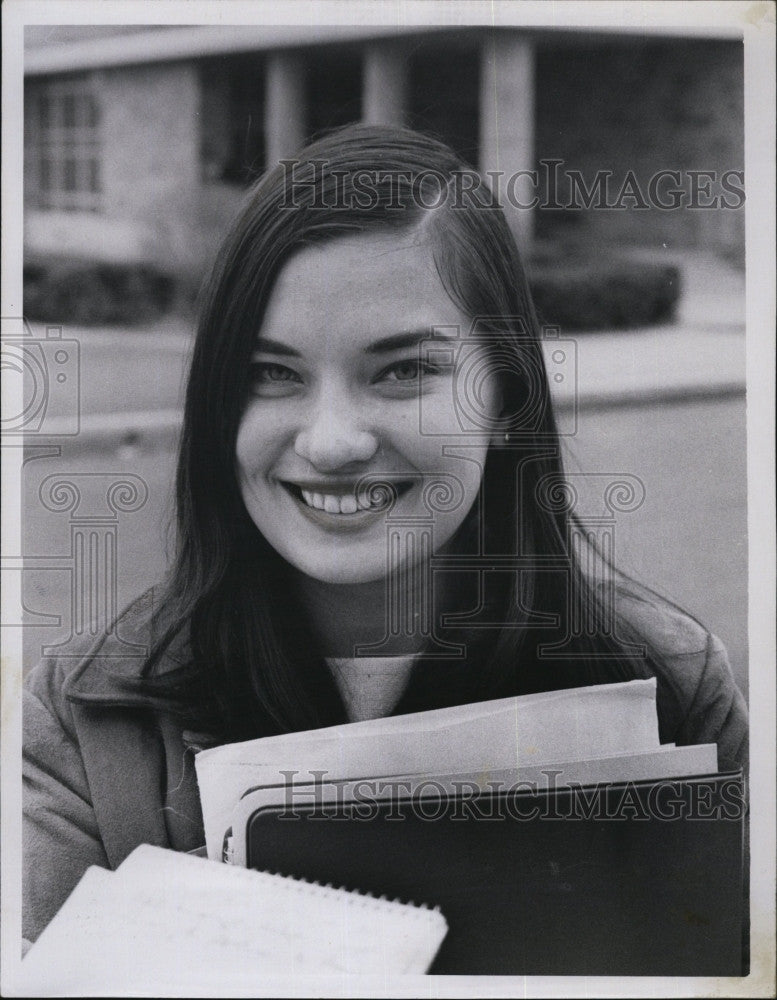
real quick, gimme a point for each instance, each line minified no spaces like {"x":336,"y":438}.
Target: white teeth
{"x":339,"y":504}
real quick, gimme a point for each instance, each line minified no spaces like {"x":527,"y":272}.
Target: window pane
{"x":69,"y":111}
{"x":81,"y":175}
{"x":70,"y":175}
{"x":94,"y":176}
{"x":334,"y":90}
{"x":93,"y":117}
{"x":66,"y":145}
{"x":82,"y":111}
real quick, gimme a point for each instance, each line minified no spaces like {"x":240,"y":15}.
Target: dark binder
{"x":642,"y":878}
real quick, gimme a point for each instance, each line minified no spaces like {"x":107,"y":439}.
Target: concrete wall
{"x":151,"y":151}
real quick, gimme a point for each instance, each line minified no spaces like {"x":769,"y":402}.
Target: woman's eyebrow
{"x":400,"y":340}
{"x":264,"y":345}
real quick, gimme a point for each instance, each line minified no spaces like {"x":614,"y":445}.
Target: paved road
{"x":124,"y":370}
{"x":689,"y":538}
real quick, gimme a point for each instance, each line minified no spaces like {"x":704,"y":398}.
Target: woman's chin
{"x":343,"y":575}
{"x":345,"y":572}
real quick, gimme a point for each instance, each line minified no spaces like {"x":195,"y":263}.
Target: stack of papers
{"x":607,"y":732}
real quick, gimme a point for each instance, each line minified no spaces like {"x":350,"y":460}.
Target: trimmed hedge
{"x":85,"y":293}
{"x":604,"y":295}
{"x":573,"y":294}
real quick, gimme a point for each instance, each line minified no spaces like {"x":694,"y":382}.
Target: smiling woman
{"x":372,"y":515}
{"x":345,"y":405}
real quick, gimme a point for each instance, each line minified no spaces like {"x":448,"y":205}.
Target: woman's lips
{"x":343,"y":505}
{"x":334,"y":503}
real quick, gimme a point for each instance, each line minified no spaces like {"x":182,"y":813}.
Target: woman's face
{"x":341,"y":390}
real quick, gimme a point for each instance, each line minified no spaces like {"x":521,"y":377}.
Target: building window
{"x":232,"y":119}
{"x":333,"y":89}
{"x":444,"y":94}
{"x":62,"y":145}
{"x":232,"y":108}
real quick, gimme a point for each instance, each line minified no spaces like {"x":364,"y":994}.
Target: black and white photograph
{"x":388,"y":499}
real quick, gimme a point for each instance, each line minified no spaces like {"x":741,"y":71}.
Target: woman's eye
{"x":274,"y":373}
{"x":266,"y":374}
{"x":407,"y":371}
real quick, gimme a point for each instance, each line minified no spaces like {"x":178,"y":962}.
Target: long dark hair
{"x":252,"y":668}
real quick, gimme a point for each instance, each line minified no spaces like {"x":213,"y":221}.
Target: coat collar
{"x":110,"y":670}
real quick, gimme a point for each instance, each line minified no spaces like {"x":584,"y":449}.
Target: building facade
{"x":139,"y":141}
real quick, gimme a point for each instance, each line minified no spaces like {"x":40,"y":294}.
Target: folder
{"x":615,"y":878}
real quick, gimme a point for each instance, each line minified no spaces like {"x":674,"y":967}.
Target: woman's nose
{"x":335,"y":437}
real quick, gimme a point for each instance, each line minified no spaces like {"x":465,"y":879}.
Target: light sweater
{"x":370,"y":686}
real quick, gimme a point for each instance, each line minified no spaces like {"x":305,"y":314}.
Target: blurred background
{"x":139,"y":144}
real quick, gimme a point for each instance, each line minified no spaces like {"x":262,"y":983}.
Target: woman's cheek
{"x":259,"y":439}
{"x":435,"y":411}
{"x":247,"y":445}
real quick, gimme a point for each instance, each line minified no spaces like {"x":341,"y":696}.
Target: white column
{"x":507,"y":121}
{"x":384,"y":85}
{"x":284,"y":106}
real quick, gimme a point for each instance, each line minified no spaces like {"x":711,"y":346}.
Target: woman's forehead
{"x":358,"y":288}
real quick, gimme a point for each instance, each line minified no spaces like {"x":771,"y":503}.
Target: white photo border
{"x":755,"y":24}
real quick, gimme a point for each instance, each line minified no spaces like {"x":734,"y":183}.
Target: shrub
{"x":86,"y":293}
{"x":571,"y":292}
{"x":603,"y":294}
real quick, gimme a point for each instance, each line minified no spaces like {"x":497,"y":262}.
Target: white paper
{"x":606,"y":720}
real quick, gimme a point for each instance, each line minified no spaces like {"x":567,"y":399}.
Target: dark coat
{"x":106,"y":770}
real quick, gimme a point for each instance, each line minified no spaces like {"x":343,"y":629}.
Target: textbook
{"x":554,"y":831}
{"x":169,"y":922}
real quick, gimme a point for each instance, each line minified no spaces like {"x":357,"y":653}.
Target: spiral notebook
{"x":168,"y":923}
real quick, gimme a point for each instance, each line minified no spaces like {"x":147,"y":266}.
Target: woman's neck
{"x":345,"y":617}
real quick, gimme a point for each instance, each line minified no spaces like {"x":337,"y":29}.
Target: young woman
{"x":370,"y":515}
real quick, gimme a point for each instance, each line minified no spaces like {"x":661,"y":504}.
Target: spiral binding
{"x":365,"y":898}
